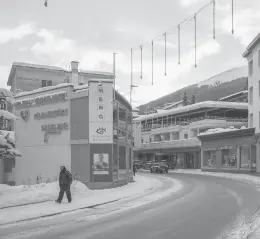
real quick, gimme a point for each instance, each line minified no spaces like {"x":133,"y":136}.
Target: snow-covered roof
{"x":43,"y":89}
{"x":81,"y":87}
{"x":53,"y":68}
{"x":197,"y":106}
{"x":235,"y":94}
{"x":172,"y":104}
{"x":220,"y":131}
{"x":7,"y":115}
{"x":252,"y":44}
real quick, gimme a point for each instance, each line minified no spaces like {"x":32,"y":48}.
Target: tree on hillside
{"x":185,"y":98}
{"x":193,"y":99}
{"x":246,"y":85}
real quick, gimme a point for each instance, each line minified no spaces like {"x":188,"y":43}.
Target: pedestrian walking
{"x":65,"y":180}
{"x":134,"y":169}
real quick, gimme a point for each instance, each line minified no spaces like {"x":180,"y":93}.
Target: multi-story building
{"x":171,"y":135}
{"x":70,"y":118}
{"x":252,"y":54}
{"x":27,"y":77}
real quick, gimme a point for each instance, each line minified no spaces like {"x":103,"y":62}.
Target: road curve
{"x":202,"y":209}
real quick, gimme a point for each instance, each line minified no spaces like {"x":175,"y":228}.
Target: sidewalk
{"x":82,"y":198}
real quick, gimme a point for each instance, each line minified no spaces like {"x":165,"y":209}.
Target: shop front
{"x":178,"y":158}
{"x":230,"y":151}
{"x":72,"y":126}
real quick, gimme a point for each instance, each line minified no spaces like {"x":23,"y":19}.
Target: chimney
{"x":74,"y":72}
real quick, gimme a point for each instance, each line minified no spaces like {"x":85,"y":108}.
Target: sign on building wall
{"x":100,"y":113}
{"x":101,"y":163}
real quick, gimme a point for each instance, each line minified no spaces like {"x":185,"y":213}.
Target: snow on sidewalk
{"x":81,"y":196}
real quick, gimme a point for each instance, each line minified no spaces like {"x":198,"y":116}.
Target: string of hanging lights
{"x":178,"y":29}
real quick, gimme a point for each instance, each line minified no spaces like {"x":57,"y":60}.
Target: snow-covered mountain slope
{"x":226,"y":76}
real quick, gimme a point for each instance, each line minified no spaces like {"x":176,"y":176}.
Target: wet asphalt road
{"x":202,"y":209}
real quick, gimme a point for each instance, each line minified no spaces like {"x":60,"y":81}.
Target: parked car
{"x":156,"y":168}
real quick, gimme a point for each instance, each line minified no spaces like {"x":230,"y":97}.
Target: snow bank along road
{"x":203,"y":208}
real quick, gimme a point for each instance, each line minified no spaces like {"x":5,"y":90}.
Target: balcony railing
{"x":162,"y":124}
{"x":191,"y":142}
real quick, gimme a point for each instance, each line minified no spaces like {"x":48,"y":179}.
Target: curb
{"x":25,"y":204}
{"x":59,"y":213}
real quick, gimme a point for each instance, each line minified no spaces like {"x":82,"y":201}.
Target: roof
{"x":172,"y":104}
{"x":51,"y":68}
{"x":43,"y":89}
{"x":250,"y":47}
{"x":196,"y":106}
{"x":235,"y":94}
{"x":227,"y":133}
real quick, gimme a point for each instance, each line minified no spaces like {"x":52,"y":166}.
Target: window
{"x":259,"y":88}
{"x":251,"y":95}
{"x":258,"y":58}
{"x":251,"y":122}
{"x":245,"y":157}
{"x":229,"y":158}
{"x":46,"y":83}
{"x":250,"y":68}
{"x":209,"y":158}
{"x":186,"y":136}
{"x":253,"y":156}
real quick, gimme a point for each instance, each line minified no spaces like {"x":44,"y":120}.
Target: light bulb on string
{"x":179,"y":44}
{"x":152,"y":62}
{"x":195,"y":38}
{"x":141,"y":49}
{"x":232,"y":6}
{"x":165,"y":54}
{"x":214,"y":19}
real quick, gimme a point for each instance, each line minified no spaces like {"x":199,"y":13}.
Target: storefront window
{"x":209,"y":158}
{"x":253,"y":156}
{"x":122,"y":157}
{"x":229,"y":158}
{"x":245,"y":157}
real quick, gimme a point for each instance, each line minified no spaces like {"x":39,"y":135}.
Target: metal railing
{"x":162,"y":124}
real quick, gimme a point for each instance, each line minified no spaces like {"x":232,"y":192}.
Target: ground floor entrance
{"x":180,"y":160}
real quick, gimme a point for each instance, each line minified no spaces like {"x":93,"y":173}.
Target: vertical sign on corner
{"x":100,"y":113}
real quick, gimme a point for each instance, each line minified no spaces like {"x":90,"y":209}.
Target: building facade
{"x":27,"y":77}
{"x":171,"y":135}
{"x":72,"y":118}
{"x":79,"y":127}
{"x":252,"y":54}
{"x":228,"y":151}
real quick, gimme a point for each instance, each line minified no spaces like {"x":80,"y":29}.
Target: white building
{"x":171,"y":135}
{"x":252,"y":54}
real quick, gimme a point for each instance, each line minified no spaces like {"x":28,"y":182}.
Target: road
{"x":204,"y":207}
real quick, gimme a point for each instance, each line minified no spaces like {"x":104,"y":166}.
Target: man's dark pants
{"x":64,"y":188}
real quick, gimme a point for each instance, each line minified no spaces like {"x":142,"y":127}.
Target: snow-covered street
{"x":21,"y":203}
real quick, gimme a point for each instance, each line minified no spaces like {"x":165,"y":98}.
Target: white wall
{"x":1,"y":171}
{"x":254,"y":81}
{"x":40,"y":157}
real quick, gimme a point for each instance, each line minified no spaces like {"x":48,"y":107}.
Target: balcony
{"x":202,"y":122}
{"x":183,"y":143}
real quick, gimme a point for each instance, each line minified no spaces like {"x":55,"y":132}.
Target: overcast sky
{"x":89,"y":31}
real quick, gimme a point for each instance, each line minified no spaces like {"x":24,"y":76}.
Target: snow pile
{"x":81,"y":196}
{"x":7,"y":143}
{"x":24,"y":194}
{"x":221,"y":130}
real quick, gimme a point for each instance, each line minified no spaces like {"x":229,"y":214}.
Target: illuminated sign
{"x":51,"y":114}
{"x":42,"y":100}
